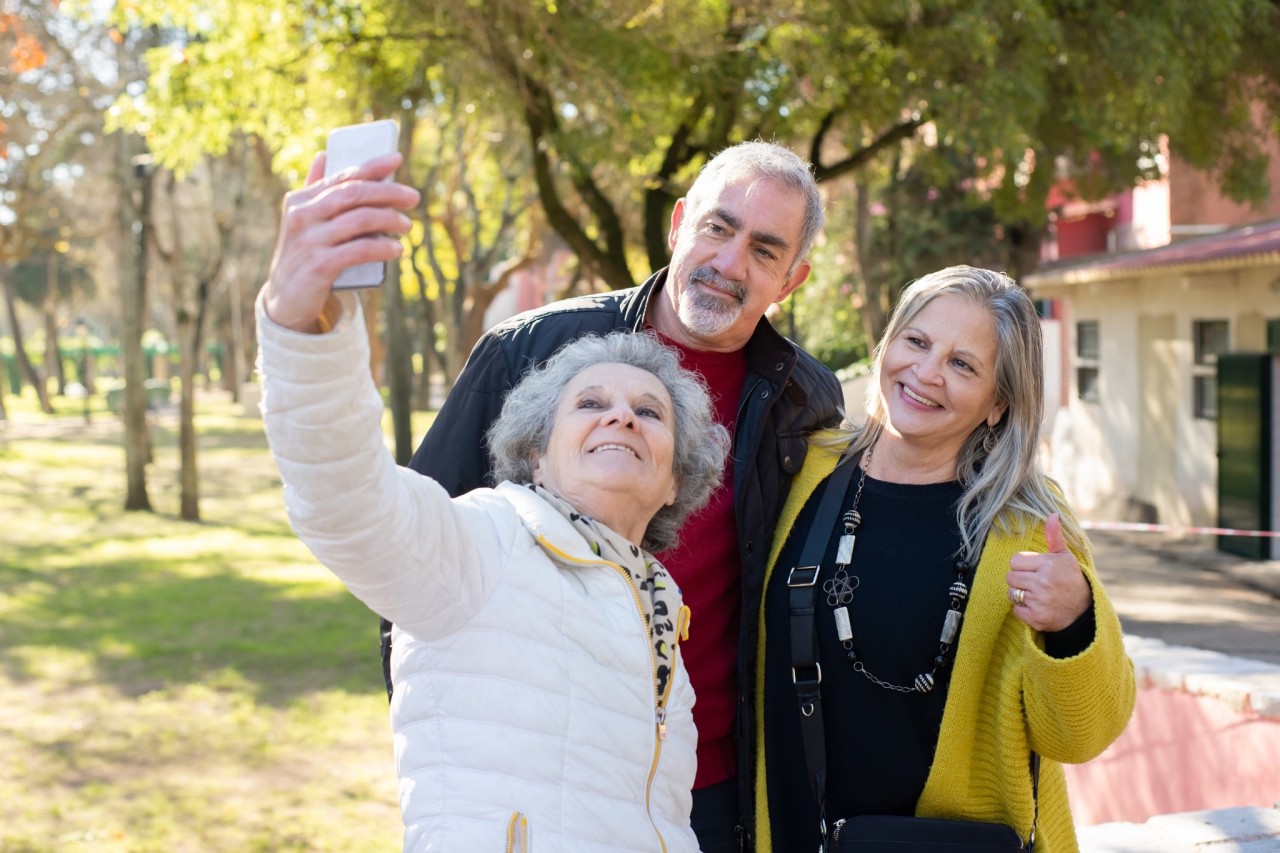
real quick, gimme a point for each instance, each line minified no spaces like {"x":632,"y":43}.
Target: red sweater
{"x":706,"y":566}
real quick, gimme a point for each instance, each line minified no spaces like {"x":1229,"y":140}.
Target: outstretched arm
{"x":395,"y":539}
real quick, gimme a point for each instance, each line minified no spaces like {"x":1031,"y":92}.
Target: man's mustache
{"x":708,"y":275}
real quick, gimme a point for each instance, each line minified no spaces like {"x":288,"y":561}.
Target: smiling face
{"x":731,"y":258}
{"x":938,"y":376}
{"x":611,"y":447}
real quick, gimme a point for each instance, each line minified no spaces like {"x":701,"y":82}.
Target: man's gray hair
{"x":522,"y":432}
{"x":773,"y":163}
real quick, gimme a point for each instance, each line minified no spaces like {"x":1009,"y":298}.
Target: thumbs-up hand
{"x":1048,"y":591}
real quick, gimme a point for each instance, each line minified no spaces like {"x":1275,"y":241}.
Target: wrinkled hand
{"x":1048,"y":591}
{"x":330,"y":224}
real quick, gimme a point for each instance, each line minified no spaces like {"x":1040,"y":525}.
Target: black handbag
{"x":899,"y":834}
{"x":866,"y":833}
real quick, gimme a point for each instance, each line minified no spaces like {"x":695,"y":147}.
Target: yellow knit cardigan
{"x":1006,"y":698}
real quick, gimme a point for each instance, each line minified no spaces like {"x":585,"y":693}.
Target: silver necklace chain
{"x":841,"y":586}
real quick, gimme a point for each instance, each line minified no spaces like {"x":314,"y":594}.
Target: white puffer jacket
{"x":524,"y":710}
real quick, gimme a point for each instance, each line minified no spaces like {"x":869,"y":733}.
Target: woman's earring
{"x":989,"y":439}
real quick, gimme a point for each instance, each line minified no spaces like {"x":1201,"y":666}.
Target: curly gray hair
{"x":523,"y":430}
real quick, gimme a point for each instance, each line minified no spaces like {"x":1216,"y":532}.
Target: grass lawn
{"x":174,"y":686}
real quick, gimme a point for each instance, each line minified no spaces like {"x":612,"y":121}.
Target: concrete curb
{"x":1245,"y":685}
{"x":1247,"y":829}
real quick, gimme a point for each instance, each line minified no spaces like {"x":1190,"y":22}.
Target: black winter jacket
{"x":787,"y":395}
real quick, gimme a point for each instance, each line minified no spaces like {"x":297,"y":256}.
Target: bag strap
{"x":806,"y":669}
{"x":1035,"y":800}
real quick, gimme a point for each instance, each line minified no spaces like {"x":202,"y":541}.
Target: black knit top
{"x":880,"y":742}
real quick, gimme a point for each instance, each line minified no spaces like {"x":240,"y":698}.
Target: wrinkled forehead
{"x":749,"y":186}
{"x":757,"y":203}
{"x":615,"y":376}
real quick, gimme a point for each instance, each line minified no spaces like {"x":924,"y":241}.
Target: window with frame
{"x":1088,"y":347}
{"x":1210,"y":338}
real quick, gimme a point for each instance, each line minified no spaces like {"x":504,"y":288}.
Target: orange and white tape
{"x":1172,"y":528}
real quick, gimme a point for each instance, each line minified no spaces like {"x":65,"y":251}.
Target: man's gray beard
{"x":707,"y":315}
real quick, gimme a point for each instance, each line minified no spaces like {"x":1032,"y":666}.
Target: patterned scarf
{"x":661,"y":616}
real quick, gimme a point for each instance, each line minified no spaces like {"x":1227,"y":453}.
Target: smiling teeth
{"x":615,"y":447}
{"x":918,"y":398}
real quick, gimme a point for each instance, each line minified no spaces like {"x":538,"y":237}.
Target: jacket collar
{"x":545,"y":523}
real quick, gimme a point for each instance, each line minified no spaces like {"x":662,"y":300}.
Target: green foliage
{"x":823,"y":318}
{"x":618,"y":102}
{"x":281,"y":71}
{"x":928,"y":218}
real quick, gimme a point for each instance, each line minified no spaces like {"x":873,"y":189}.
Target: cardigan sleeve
{"x":1076,"y":706}
{"x":394,"y":538}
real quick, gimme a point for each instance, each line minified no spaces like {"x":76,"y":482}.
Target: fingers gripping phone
{"x":350,"y":146}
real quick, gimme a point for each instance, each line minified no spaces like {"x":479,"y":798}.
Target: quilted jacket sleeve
{"x":395,"y":538}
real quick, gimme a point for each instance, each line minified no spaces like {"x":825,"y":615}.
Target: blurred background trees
{"x":147,"y":144}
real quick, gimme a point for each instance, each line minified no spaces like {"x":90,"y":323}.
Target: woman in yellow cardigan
{"x":945,"y":621}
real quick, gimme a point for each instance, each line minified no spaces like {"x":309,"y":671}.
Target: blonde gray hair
{"x":1004,"y":487}
{"x":523,"y":429}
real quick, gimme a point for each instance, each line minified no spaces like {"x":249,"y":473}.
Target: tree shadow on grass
{"x":153,"y":623}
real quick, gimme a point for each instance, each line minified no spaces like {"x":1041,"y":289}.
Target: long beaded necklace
{"x":840,"y":589}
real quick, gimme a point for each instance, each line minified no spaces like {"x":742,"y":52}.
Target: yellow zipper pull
{"x":662,"y":723}
{"x":518,"y":833}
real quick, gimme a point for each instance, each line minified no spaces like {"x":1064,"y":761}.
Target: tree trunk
{"x":189,"y":473}
{"x":399,"y":366}
{"x":235,"y":350}
{"x":188,"y":317}
{"x":19,"y":346}
{"x":4,"y":386}
{"x":872,"y":310}
{"x":133,"y":292}
{"x":431,"y":363}
{"x":1023,"y":241}
{"x":53,"y":365}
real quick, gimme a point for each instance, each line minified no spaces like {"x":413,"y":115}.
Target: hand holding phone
{"x":351,"y":146}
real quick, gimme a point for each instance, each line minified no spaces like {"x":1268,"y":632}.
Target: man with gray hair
{"x":739,"y":241}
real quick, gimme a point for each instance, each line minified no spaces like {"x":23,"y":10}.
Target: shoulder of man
{"x":813,"y":386}
{"x":533,"y":336}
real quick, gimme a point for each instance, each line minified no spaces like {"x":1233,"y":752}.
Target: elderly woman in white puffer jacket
{"x":540,"y":695}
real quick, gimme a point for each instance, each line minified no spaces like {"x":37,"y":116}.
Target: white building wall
{"x":1097,"y":449}
{"x":1089,"y":443}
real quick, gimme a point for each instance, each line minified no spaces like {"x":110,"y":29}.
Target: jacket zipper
{"x":660,"y":702}
{"x":518,"y":833}
{"x":682,"y":633}
{"x":742,"y":407}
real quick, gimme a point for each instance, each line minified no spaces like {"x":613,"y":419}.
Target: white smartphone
{"x":350,"y":146}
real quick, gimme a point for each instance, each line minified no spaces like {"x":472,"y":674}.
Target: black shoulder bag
{"x":866,"y":833}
